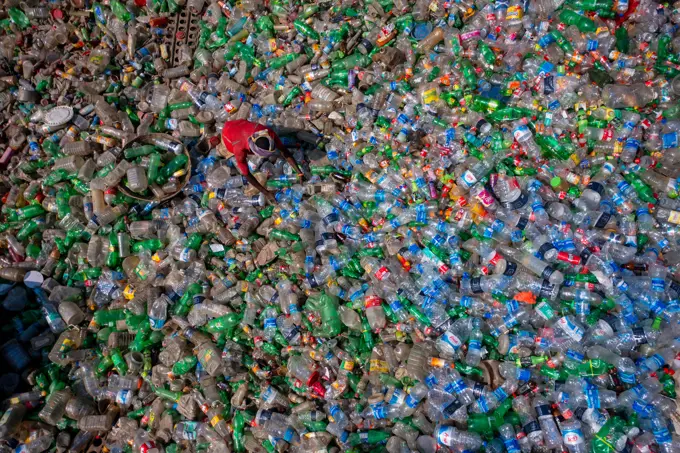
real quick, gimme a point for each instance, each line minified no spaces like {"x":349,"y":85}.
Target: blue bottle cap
{"x":421,"y":30}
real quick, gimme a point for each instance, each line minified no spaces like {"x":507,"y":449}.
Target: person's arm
{"x":291,"y":160}
{"x":285,"y":152}
{"x":255,"y":183}
{"x":242,"y":166}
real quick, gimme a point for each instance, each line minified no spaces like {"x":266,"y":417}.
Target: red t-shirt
{"x":235,"y":135}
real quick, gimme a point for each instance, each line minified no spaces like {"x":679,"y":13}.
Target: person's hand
{"x":270,"y":197}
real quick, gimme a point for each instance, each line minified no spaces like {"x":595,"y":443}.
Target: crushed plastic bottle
{"x":470,"y":243}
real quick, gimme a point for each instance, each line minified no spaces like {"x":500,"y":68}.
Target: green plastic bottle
{"x":19,"y":19}
{"x":184,"y":365}
{"x":223,"y":323}
{"x":120,"y":11}
{"x":370,"y":437}
{"x":305,"y":30}
{"x":283,"y":235}
{"x":150,"y":245}
{"x":583,"y":24}
{"x":177,"y":163}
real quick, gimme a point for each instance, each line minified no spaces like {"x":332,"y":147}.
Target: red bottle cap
{"x":313,"y":378}
{"x":319,"y":389}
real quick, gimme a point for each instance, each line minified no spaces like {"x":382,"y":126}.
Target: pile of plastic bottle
{"x":482,"y":254}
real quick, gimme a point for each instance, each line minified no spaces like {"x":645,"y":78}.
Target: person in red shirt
{"x":242,"y":137}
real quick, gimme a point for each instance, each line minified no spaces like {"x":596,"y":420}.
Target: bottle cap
{"x":58,"y":116}
{"x":421,"y":30}
{"x":33,"y":279}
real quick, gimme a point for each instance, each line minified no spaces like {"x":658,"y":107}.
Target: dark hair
{"x":262,"y":143}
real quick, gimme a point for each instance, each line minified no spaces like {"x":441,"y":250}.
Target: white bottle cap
{"x":33,"y":279}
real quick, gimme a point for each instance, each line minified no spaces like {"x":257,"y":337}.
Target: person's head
{"x":261,"y":143}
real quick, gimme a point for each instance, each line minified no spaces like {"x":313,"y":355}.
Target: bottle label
{"x":547,"y":272}
{"x":156,"y":323}
{"x":452,"y":340}
{"x":522,"y":223}
{"x":398,"y":397}
{"x":378,"y":366}
{"x":596,"y":187}
{"x":468,"y":178}
{"x":581,"y":307}
{"x":543,"y":410}
{"x":189,"y":430}
{"x":523,"y":374}
{"x":294,"y":332}
{"x":632,"y":143}
{"x":478,"y":389}
{"x":411,"y":401}
{"x":335,"y":411}
{"x":331,"y":218}
{"x":602,"y":220}
{"x":547,"y":290}
{"x":658,"y":360}
{"x":216,"y":248}
{"x":549,"y":85}
{"x":485,"y":198}
{"x":445,"y":435}
{"x":511,"y":445}
{"x":571,"y":329}
{"x":670,"y":140}
{"x":456,"y":387}
{"x":575,"y":355}
{"x":566,"y":245}
{"x":288,"y":435}
{"x":311,"y":279}
{"x":627,"y":378}
{"x":531,"y":427}
{"x":476,"y":285}
{"x":518,"y":203}
{"x":572,"y":436}
{"x":269,"y":395}
{"x":382,"y":273}
{"x":662,"y":435}
{"x":658,"y":284}
{"x":500,"y":394}
{"x":185,"y":255}
{"x":483,"y":404}
{"x":592,"y":397}
{"x":465,"y":301}
{"x":639,"y":335}
{"x":521,"y":133}
{"x":674,"y":217}
{"x":510,"y":269}
{"x":642,"y":408}
{"x":431,"y":380}
{"x":147,"y":446}
{"x":449,"y":410}
{"x":347,"y":365}
{"x":474,"y":345}
{"x":542,"y":250}
{"x":514,"y":12}
{"x":124,"y":397}
{"x":378,"y":411}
